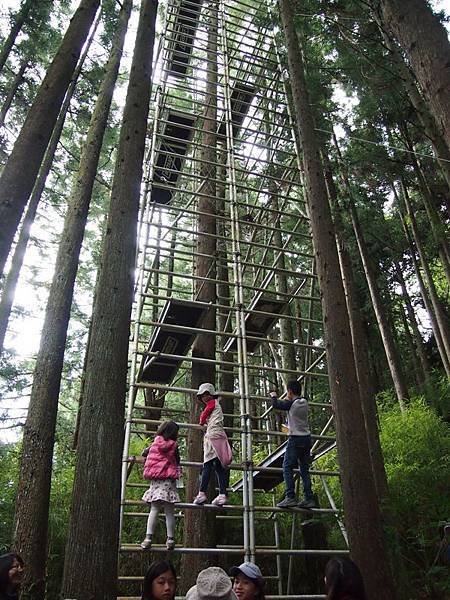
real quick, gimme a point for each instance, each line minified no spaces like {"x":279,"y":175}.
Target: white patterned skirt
{"x":163,"y":490}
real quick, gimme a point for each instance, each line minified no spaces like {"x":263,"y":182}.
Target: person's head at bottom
{"x":248,"y":582}
{"x":212,"y":584}
{"x":160,"y":581}
{"x":11,"y":573}
{"x":343,"y":580}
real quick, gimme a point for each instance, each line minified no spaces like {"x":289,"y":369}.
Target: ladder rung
{"x":238,"y":507}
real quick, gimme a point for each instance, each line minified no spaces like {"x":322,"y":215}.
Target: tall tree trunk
{"x":438,"y":228}
{"x":15,"y":29}
{"x":360,"y":345}
{"x":424,"y":293}
{"x":383,"y":320}
{"x":439,"y":311}
{"x":36,"y":465}
{"x":92,"y":545}
{"x":425,"y":42}
{"x":9,"y":289}
{"x":360,"y":501}
{"x":416,"y":366}
{"x":21,"y":169}
{"x":17,"y":81}
{"x":418,"y":342}
{"x":440,"y":148}
{"x":199,"y":527}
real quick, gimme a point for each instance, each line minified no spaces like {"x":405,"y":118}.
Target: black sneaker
{"x":307,"y":503}
{"x":287,"y":503}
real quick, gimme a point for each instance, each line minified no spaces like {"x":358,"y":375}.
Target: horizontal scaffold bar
{"x":173,"y":388}
{"x":241,"y":550}
{"x":240,"y":508}
{"x":233,"y":429}
{"x":232,"y":308}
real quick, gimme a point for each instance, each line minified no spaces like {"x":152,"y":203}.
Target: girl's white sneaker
{"x":146,"y":544}
{"x":220,"y":500}
{"x":200,"y":498}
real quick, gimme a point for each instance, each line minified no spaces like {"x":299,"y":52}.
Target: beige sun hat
{"x":206,"y":387}
{"x":212,"y":584}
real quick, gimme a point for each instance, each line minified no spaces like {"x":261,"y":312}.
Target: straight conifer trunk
{"x":21,"y":169}
{"x":383,"y":321}
{"x":20,"y":248}
{"x":15,"y":30}
{"x":418,"y":341}
{"x":429,"y":125}
{"x":360,"y":344}
{"x":199,"y":527}
{"x":441,"y":316}
{"x":17,"y":82}
{"x":425,"y":42}
{"x":90,"y":568}
{"x":36,"y":466}
{"x":424,"y":293}
{"x":363,"y":517}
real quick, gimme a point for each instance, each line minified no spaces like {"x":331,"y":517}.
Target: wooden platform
{"x":174,"y":312}
{"x":267,"y":480}
{"x":173,"y":147}
{"x":241,"y":98}
{"x":183,"y":36}
{"x":259,"y":325}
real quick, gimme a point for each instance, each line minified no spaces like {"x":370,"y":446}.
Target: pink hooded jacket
{"x":161,"y":461}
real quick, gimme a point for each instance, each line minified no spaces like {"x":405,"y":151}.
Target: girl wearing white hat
{"x":216,"y":449}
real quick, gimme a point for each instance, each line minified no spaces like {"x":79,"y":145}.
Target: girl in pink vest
{"x":162,"y":467}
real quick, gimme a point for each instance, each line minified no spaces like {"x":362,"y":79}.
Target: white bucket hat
{"x":206,"y":387}
{"x":212,"y":584}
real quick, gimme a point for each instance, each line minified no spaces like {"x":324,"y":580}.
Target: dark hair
{"x":260,"y":585}
{"x":169,"y":430}
{"x":157,"y":568}
{"x":294,"y":386}
{"x":342,"y":576}
{"x":259,"y":582}
{"x":6,"y":562}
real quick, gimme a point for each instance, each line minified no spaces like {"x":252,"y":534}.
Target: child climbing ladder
{"x":216,"y":449}
{"x":162,"y":467}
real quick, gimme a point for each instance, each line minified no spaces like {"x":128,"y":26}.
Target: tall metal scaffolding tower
{"x":218,"y":71}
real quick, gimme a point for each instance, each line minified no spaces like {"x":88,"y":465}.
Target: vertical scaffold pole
{"x":244,"y":393}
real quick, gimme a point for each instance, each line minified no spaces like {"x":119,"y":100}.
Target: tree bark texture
{"x":92,"y":545}
{"x":429,"y":125}
{"x":425,"y":42}
{"x":20,"y":249}
{"x":15,"y":30}
{"x":199,"y":527}
{"x":21,"y":169}
{"x":363,"y":517}
{"x":36,"y":465}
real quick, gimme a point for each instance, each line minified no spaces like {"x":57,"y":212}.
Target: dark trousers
{"x":297,"y":454}
{"x":221,"y":474}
